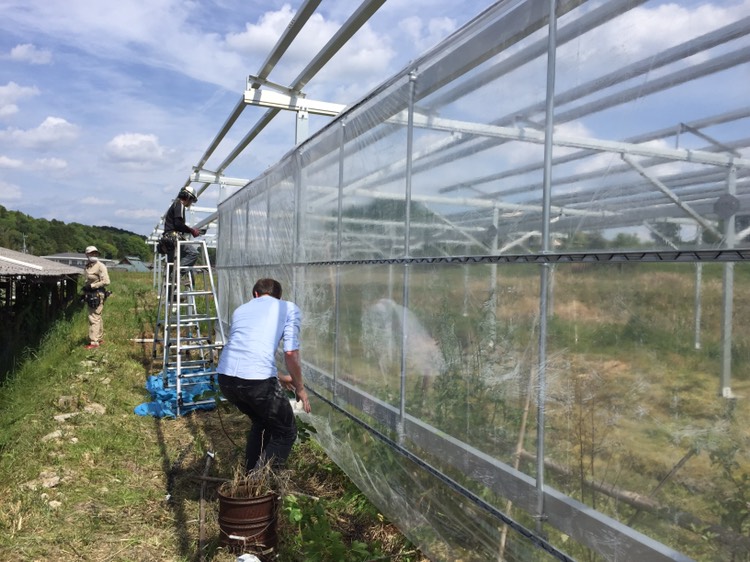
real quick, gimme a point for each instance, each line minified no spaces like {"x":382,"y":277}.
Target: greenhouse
{"x":522,"y":267}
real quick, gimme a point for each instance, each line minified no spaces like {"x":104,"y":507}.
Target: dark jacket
{"x":174,"y":220}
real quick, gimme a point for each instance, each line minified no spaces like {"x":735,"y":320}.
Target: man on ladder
{"x":175,"y":228}
{"x":188,"y":315}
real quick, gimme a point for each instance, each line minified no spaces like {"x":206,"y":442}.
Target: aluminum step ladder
{"x":189,"y":327}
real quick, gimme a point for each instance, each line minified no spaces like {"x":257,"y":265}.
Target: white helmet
{"x":188,"y":191}
{"x":90,"y":250}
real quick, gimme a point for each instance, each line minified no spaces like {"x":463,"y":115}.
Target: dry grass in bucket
{"x":258,"y":482}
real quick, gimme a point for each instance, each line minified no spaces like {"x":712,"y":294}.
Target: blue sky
{"x":105,"y":106}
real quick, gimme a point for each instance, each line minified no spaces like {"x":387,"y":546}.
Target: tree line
{"x":42,"y":237}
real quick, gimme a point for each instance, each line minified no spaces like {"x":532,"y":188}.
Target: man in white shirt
{"x":248,"y":377}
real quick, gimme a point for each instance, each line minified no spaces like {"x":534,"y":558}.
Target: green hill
{"x":43,"y":237}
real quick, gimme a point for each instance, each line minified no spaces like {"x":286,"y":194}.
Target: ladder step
{"x":186,"y":323}
{"x":188,"y":376}
{"x":200,"y":402}
{"x":204,"y":364}
{"x":172,"y":346}
{"x":185,"y":341}
{"x":197,"y":318}
{"x":195,"y":338}
{"x":197,"y":359}
{"x":173,"y":351}
{"x":172,"y":328}
{"x":172,"y":338}
{"x":193,"y":347}
{"x":192,"y":363}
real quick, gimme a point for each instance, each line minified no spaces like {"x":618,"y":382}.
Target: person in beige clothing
{"x":97,"y":278}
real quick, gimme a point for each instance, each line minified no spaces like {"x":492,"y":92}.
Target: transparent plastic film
{"x":522,"y":303}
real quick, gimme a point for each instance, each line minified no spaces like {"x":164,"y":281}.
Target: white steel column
{"x":728,"y":296}
{"x":544,"y":280}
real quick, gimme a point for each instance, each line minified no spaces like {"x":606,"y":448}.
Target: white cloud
{"x":260,"y":37}
{"x":426,"y":35}
{"x":9,"y":192}
{"x":10,"y":94}
{"x":31,"y":54}
{"x":358,"y":66}
{"x":139,"y":214}
{"x":51,"y":163}
{"x":8,"y":110}
{"x":363,"y":55}
{"x":645,"y":30}
{"x":97,"y":202}
{"x":136,"y":149}
{"x":666,"y":168}
{"x":596,"y":162}
{"x":6,"y":162}
{"x":156,"y":33}
{"x":53,"y":131}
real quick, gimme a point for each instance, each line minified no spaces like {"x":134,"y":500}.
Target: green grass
{"x":106,"y":484}
{"x":628,"y":397}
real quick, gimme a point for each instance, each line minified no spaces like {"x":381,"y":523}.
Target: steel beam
{"x":293,"y":102}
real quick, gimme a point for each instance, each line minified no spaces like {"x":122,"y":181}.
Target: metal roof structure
{"x":18,"y":263}
{"x":273,"y":98}
{"x":677,"y":172}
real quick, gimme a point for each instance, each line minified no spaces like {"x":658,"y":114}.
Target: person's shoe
{"x":92,"y":346}
{"x":101,"y":342}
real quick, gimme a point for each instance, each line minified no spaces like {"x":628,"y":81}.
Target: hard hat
{"x":90,"y":250}
{"x":188,"y":191}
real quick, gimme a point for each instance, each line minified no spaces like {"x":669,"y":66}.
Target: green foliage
{"x":305,"y":430}
{"x":732,"y":502}
{"x":316,"y":538}
{"x":395,"y":211}
{"x":668,"y":231}
{"x":388,"y":209}
{"x":42,"y":237}
{"x":625,"y":241}
{"x":639,"y":331}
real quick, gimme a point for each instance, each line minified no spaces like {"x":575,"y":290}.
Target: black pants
{"x":274,"y":428}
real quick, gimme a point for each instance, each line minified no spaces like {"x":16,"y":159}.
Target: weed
{"x":316,"y":538}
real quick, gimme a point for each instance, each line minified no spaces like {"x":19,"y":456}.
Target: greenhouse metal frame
{"x":511,"y":162}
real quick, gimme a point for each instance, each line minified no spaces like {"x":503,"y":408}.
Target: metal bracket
{"x":253,"y":83}
{"x":293,"y":101}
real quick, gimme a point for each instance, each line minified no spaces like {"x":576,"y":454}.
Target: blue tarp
{"x":164,"y":396}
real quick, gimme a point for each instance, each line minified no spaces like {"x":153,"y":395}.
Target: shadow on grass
{"x":183,"y":444}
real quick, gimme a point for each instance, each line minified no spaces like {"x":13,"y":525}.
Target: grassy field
{"x":84,"y":478}
{"x":635,"y":423}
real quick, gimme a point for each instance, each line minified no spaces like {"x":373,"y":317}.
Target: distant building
{"x":131,"y":263}
{"x":77,"y":260}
